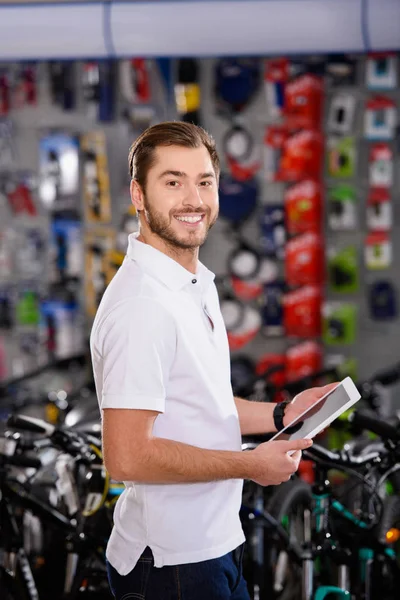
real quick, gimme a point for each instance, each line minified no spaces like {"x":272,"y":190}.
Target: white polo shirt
{"x":159,"y":343}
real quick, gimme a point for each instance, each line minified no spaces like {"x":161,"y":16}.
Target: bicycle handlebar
{"x":387,"y":376}
{"x":31,"y":424}
{"x":341,"y":458}
{"x":365,"y":419}
{"x":67,"y":441}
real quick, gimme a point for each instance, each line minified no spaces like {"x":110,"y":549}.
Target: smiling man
{"x":171,"y":426}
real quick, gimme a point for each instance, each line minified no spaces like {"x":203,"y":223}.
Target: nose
{"x":193,"y":196}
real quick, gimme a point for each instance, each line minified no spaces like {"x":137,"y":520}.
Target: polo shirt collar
{"x":166,"y":269}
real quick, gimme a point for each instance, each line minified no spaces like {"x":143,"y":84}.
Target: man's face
{"x":181,"y":196}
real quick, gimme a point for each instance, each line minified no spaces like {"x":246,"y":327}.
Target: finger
{"x":315,"y":393}
{"x":296,"y":457}
{"x":301,"y":444}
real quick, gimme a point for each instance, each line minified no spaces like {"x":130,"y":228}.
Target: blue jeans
{"x":216,"y":579}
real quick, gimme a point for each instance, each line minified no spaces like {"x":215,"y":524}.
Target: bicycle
{"x":328,"y":534}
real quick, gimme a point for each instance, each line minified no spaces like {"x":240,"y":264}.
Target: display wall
{"x":55,"y":263}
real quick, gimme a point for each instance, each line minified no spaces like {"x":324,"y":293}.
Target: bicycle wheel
{"x":288,"y":506}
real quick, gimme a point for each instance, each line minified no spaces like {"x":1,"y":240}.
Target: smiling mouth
{"x":190,"y":220}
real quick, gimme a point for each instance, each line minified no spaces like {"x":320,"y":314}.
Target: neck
{"x":186,"y":257}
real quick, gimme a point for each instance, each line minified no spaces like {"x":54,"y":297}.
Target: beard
{"x":161,"y":226}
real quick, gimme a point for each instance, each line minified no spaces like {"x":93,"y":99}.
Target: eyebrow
{"x":182,"y":174}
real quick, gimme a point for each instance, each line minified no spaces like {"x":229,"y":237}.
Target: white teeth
{"x":189,"y":219}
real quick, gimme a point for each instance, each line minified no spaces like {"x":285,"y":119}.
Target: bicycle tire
{"x":288,"y":499}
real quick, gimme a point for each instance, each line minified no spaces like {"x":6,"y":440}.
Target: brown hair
{"x":169,"y":133}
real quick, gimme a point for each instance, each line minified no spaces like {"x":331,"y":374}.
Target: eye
{"x":172,"y":183}
{"x":206,"y":183}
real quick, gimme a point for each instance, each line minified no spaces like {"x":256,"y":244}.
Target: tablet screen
{"x":319,"y":413}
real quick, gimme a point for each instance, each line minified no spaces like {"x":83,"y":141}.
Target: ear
{"x":136,"y":195}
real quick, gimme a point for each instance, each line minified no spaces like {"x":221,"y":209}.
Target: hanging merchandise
{"x":5,"y":92}
{"x":91,"y":88}
{"x":342,"y":208}
{"x":302,"y":360}
{"x":277,"y":379}
{"x":382,"y":299}
{"x":27,"y":310}
{"x":303,"y":207}
{"x":340,"y":70}
{"x":292,"y":157}
{"x":273,"y":235}
{"x":304,"y":260}
{"x":63,"y":84}
{"x":8,"y":154}
{"x":27,"y":320}
{"x":24,"y":91}
{"x":242,"y":321}
{"x":128,"y":224}
{"x":242,"y":373}
{"x":98,"y":82}
{"x":30,"y":252}
{"x":99,"y":243}
{"x":302,"y":312}
{"x":135,"y":80}
{"x":379,"y":210}
{"x":339,"y":323}
{"x":66,"y":250}
{"x":237,"y":199}
{"x":303,"y":102}
{"x":7,"y":254}
{"x":245,"y":261}
{"x":96,"y":184}
{"x":378,"y":251}
{"x":59,"y":172}
{"x":7,"y":310}
{"x":243,"y":334}
{"x":249,"y":270}
{"x":381,"y":166}
{"x":18,"y":194}
{"x":187,"y":90}
{"x":241,"y":153}
{"x":237,"y":81}
{"x":343,"y":269}
{"x":341,"y":156}
{"x":381,"y":71}
{"x":276,"y":74}
{"x":341,"y":114}
{"x":272,"y":308}
{"x":135,"y":83}
{"x":61,"y":323}
{"x":380,"y":118}
{"x":3,"y":370}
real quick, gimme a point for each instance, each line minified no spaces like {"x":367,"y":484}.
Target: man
{"x":171,"y":426}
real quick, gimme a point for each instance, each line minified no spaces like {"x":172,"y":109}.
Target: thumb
{"x":301,"y":444}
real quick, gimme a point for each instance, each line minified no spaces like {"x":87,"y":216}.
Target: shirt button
{"x":194,"y":280}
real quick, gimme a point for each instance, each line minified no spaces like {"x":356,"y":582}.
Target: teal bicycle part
{"x":327,"y":590}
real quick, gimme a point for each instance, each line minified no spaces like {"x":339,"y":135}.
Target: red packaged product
{"x":302,"y":312}
{"x":303,"y":202}
{"x":303,"y":360}
{"x":303,"y":102}
{"x":304,"y":260}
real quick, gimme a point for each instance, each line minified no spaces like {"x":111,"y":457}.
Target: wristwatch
{"x":279,"y":413}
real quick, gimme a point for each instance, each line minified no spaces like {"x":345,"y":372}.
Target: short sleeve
{"x":137,"y":344}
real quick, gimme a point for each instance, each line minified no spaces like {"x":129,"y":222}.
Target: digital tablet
{"x":323,"y":412}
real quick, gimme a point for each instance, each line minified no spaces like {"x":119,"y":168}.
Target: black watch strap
{"x":279,"y":413}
